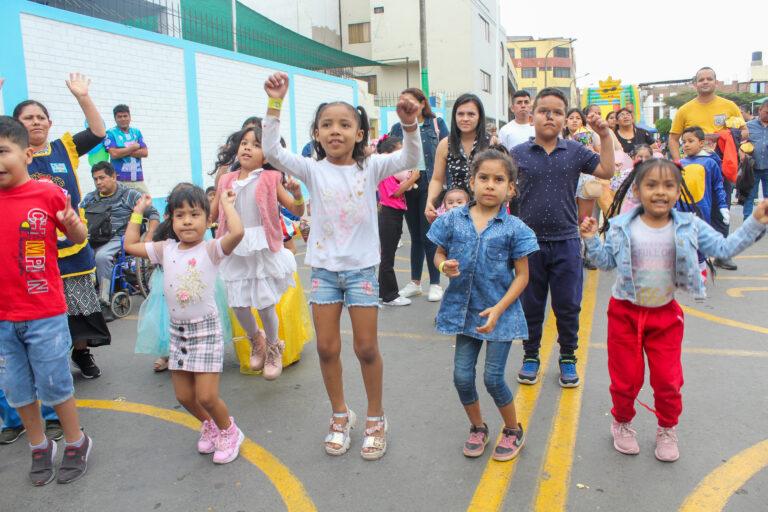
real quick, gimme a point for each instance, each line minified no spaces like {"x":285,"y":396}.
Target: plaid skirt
{"x":197,"y":345}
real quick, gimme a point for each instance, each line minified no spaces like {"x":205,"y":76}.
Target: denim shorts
{"x":352,"y":287}
{"x":34,"y":361}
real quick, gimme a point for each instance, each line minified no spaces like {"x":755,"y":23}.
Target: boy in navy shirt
{"x":549,"y":169}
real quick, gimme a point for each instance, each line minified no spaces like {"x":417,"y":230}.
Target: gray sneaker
{"x":42,"y":464}
{"x":53,"y":430}
{"x":11,"y":434}
{"x":75,"y":461}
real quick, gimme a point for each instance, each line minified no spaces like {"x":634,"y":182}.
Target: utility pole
{"x":234,"y":25}
{"x":423,"y":40}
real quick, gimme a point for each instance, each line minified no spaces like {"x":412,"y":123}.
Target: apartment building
{"x":546,"y":62}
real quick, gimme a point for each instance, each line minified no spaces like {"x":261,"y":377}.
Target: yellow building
{"x":544,"y":63}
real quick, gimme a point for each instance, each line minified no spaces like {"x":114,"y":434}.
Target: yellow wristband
{"x":275,"y":103}
{"x":137,"y":218}
{"x":441,"y":265}
{"x":298,"y":202}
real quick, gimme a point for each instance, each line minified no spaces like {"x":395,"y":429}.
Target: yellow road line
{"x":739,"y":292}
{"x":494,"y":483}
{"x":287,"y":485}
{"x":554,"y":479}
{"x":741,"y":278}
{"x":724,"y":321}
{"x":707,"y":351}
{"x":751,"y":257}
{"x":714,"y":491}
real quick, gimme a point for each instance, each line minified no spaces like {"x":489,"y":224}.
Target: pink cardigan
{"x":266,"y":200}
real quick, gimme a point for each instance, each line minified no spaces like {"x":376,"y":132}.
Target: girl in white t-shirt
{"x":190,"y":266}
{"x":343,"y":245}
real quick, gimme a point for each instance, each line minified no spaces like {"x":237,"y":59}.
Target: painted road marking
{"x":724,"y":321}
{"x":751,"y":257}
{"x":286,"y":483}
{"x":494,"y":483}
{"x":555,"y":475}
{"x":742,"y":278}
{"x":714,"y":491}
{"x":739,"y":292}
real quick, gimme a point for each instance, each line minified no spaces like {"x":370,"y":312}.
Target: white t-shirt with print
{"x":344,"y":233}
{"x":513,"y":133}
{"x":653,"y":263}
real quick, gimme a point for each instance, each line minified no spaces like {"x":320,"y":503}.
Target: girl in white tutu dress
{"x":260,"y":269}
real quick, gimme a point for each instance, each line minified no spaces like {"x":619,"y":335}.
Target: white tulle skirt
{"x":255,"y":276}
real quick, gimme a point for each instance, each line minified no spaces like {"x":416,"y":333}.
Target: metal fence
{"x":389,"y":99}
{"x":171,"y":18}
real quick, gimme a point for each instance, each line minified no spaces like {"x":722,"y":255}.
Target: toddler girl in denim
{"x":343,"y":245}
{"x":483,"y":250}
{"x":654,"y":249}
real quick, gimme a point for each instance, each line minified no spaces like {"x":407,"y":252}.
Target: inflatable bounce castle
{"x":611,"y":95}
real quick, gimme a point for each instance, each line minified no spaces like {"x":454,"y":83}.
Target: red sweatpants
{"x":658,"y":331}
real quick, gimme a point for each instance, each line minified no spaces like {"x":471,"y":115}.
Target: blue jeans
{"x":464,"y":362}
{"x":761,"y":176}
{"x":11,"y":418}
{"x":34,"y":361}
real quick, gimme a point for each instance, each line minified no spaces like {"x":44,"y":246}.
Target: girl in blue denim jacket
{"x":654,"y":249}
{"x":484,"y":251}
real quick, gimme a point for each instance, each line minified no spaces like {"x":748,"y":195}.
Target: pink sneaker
{"x":666,"y":444}
{"x":209,"y":432}
{"x":478,"y":438}
{"x":273,"y":367}
{"x":228,"y":444}
{"x":258,"y":347}
{"x":624,"y":439}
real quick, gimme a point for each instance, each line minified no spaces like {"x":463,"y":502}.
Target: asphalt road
{"x":144,"y":457}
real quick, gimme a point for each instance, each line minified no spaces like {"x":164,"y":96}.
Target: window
{"x":562,"y":52}
{"x":486,"y":79}
{"x":378,"y":10}
{"x":502,"y":55}
{"x":372,"y":83}
{"x":511,"y":53}
{"x":561,"y":72}
{"x":359,"y":32}
{"x":529,"y":73}
{"x":485,"y":28}
{"x":528,"y":53}
{"x":532,"y":91}
{"x":566,"y":91}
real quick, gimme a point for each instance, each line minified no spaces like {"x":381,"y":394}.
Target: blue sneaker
{"x":529,"y":372}
{"x":568,"y":376}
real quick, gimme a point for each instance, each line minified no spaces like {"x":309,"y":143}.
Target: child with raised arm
{"x":654,"y":250}
{"x":343,"y":245}
{"x":34,"y":333}
{"x":190,"y":266}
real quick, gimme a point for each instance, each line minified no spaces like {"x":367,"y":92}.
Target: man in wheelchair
{"x":108,"y":210}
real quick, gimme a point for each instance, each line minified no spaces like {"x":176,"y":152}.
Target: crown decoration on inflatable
{"x":609,"y":89}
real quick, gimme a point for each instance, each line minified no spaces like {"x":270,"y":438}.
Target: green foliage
{"x":664,"y":125}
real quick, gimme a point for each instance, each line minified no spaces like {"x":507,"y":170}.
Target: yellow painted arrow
{"x":739,"y":292}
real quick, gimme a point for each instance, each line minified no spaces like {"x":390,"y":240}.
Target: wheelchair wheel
{"x":121,"y":304}
{"x":143,"y":274}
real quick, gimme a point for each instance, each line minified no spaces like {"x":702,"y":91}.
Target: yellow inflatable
{"x":295,"y":328}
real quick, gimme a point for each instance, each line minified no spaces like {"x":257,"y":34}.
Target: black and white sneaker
{"x":83,"y":359}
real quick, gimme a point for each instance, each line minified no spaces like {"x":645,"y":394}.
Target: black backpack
{"x":99,"y":217}
{"x":745,"y":179}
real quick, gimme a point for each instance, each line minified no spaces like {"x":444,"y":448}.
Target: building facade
{"x":547,"y":62}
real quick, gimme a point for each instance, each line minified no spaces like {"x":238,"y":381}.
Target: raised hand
{"x":407,"y":110}
{"x":761,"y":212}
{"x":144,"y":202}
{"x":451,"y":268}
{"x":68,"y":217}
{"x":599,"y":125}
{"x":293,"y":186}
{"x":276,"y":85}
{"x":588,"y":227}
{"x":492,"y":315}
{"x":78,"y":85}
{"x":228,"y":198}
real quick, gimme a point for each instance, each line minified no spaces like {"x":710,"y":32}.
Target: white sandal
{"x":339,"y":433}
{"x":379,"y":443}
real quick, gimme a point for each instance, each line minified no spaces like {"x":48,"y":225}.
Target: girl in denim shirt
{"x":484,"y":251}
{"x":654,"y":249}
